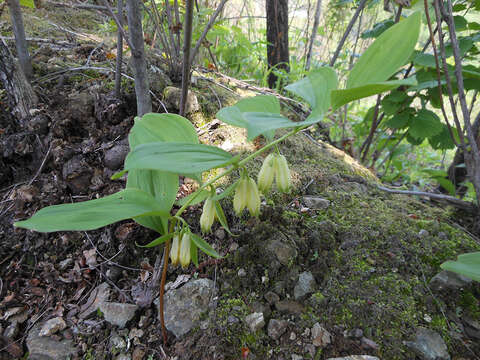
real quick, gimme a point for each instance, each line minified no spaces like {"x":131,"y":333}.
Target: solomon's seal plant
{"x":166,"y":146}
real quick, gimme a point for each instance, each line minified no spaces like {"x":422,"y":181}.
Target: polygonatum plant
{"x":166,"y":146}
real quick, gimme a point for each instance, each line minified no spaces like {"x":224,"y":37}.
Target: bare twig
{"x":451,"y":199}
{"x":187,"y":41}
{"x":347,"y":31}
{"x":41,"y":165}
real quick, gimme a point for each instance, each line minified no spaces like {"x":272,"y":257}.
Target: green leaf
{"x":378,"y":29}
{"x":443,"y":140}
{"x":315,"y":89}
{"x":27,"y":3}
{"x":447,"y":185}
{"x":342,"y":97}
{"x":413,"y":140}
{"x":178,"y":158}
{"x":466,"y":264}
{"x":93,"y":214}
{"x":198,"y":197}
{"x":204,"y":246}
{"x":399,"y":121}
{"x":390,"y":51}
{"x":460,"y":23}
{"x":158,"y":241}
{"x":194,"y":253}
{"x":425,"y":124}
{"x":161,"y":184}
{"x":221,"y":217}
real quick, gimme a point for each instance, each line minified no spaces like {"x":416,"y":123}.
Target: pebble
{"x":255,"y":321}
{"x":276,"y":328}
{"x":118,"y":313}
{"x":52,"y":326}
{"x":271,"y":297}
{"x":428,"y":345}
{"x":320,"y":336}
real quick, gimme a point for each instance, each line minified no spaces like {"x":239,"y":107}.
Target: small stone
{"x":276,"y":328}
{"x":289,"y":307}
{"x":99,"y":295}
{"x":423,"y":233}
{"x":233,"y":247}
{"x":185,"y":305}
{"x":447,"y":280}
{"x":355,"y":333}
{"x":271,"y":297}
{"x":297,"y":357}
{"x":117,"y":342}
{"x":52,"y":326}
{"x":135,"y":333}
{"x":428,"y":345}
{"x":369,"y":344}
{"x":220,"y":234}
{"x":115,"y":156}
{"x":232,"y":320}
{"x":255,"y":321}
{"x":123,"y":356}
{"x":293,"y":336}
{"x":316,"y":202}
{"x":117,"y":313}
{"x":11,"y":331}
{"x":172,"y":99}
{"x":62,"y":265}
{"x":241,"y":273}
{"x":306,"y":285}
{"x":45,"y":347}
{"x":320,"y":336}
{"x":138,"y":353}
{"x":282,"y":251}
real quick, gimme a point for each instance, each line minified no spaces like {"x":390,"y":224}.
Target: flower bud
{"x":283,"y":174}
{"x":175,"y":250}
{"x":185,"y":255}
{"x":208,"y":215}
{"x":253,"y":198}
{"x":240,"y":200}
{"x":267,"y":173}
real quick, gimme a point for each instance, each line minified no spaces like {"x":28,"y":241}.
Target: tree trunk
{"x":187,"y":42}
{"x":458,"y":174}
{"x":20,"y":40}
{"x":20,"y":94}
{"x":142,"y":88}
{"x":277,"y":38}
{"x":318,"y":11}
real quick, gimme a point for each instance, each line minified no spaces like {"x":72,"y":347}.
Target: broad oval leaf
{"x":315,"y":89}
{"x":425,"y":124}
{"x":93,"y":214}
{"x":176,"y":157}
{"x":466,"y":264}
{"x":388,"y":52}
{"x":342,"y":97}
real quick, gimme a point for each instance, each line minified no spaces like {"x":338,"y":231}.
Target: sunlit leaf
{"x":467,"y":265}
{"x":425,"y":124}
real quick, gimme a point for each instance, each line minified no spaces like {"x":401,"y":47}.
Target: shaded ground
{"x":371,"y":255}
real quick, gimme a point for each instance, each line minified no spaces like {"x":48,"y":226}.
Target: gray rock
{"x":11,"y":331}
{"x":428,"y":345}
{"x":99,"y":295}
{"x":297,"y":357}
{"x":185,"y":305}
{"x":255,"y":321}
{"x":117,"y":313}
{"x":115,"y":156}
{"x":282,"y":251}
{"x":158,"y":79}
{"x":369,"y":344}
{"x":306,"y":285}
{"x":117,"y":342}
{"x":356,"y":357}
{"x":232,"y":320}
{"x":355,"y":333}
{"x":51,"y":326}
{"x":77,"y":173}
{"x":271,"y":297}
{"x":316,"y":202}
{"x":241,"y":272}
{"x":447,"y":280}
{"x":423,"y":233}
{"x":276,"y":328}
{"x":44,"y":347}
{"x":172,"y":99}
{"x":123,"y":356}
{"x":320,"y":336}
{"x":289,"y":307}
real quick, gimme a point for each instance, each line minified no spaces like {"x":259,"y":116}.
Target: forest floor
{"x":336,"y":268}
